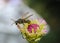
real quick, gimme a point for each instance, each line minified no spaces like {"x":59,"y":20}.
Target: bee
{"x":23,"y":20}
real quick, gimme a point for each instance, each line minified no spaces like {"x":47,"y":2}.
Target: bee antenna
{"x":13,"y":21}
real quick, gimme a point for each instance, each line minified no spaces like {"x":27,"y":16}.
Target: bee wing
{"x":28,"y":16}
{"x":24,"y":15}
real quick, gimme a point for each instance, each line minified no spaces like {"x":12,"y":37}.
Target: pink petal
{"x":32,"y":26}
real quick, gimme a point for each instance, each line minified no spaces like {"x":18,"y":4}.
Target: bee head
{"x":16,"y":22}
{"x":20,"y":21}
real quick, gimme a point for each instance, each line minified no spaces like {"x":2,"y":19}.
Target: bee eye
{"x":16,"y":22}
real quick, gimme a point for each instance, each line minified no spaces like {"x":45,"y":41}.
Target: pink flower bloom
{"x":32,"y":26}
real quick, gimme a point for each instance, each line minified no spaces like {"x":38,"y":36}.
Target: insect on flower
{"x":33,"y":30}
{"x":23,"y":20}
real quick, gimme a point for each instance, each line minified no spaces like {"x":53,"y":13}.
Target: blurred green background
{"x":50,"y":11}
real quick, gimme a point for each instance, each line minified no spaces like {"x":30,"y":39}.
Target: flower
{"x":34,"y":31}
{"x":32,"y":26}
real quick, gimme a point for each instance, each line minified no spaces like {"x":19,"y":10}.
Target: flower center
{"x":32,"y":26}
